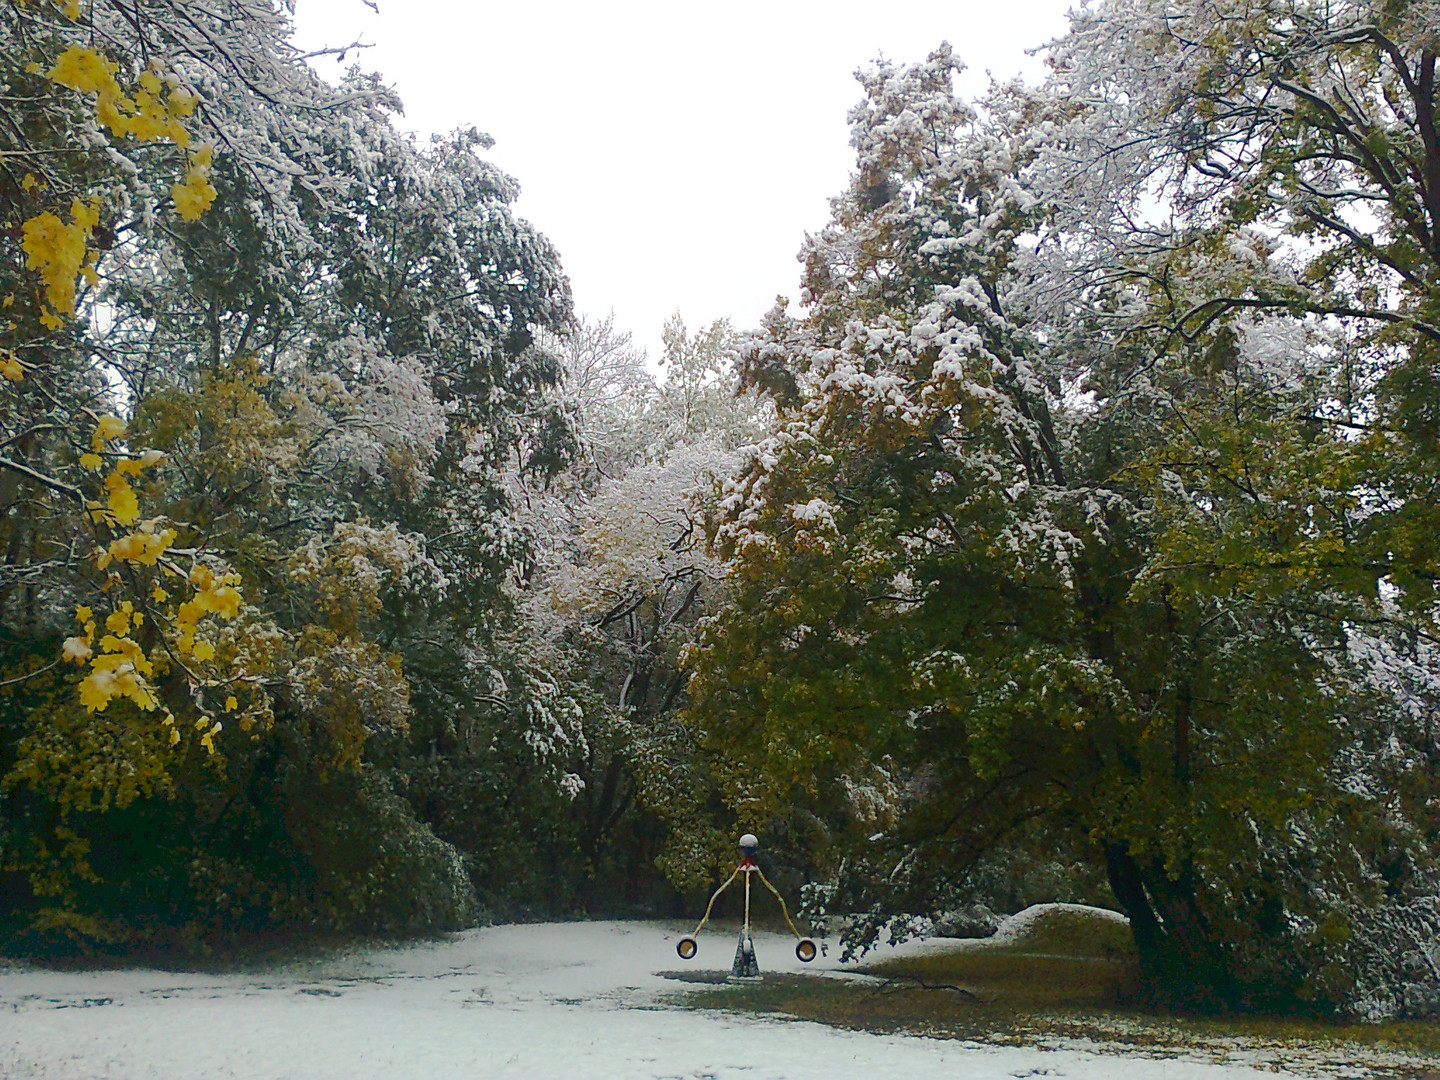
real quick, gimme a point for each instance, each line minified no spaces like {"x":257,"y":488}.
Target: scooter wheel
{"x":687,"y":947}
{"x":805,"y":950}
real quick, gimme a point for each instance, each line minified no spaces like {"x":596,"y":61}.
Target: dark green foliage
{"x":975,"y":612}
{"x":376,"y":868}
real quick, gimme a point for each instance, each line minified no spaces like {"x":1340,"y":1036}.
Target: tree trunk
{"x":1181,"y":963}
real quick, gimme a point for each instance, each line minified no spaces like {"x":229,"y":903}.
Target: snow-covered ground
{"x":551,"y":1001}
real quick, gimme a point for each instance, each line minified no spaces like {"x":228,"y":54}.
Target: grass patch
{"x":1070,"y":976}
{"x":219,"y":955}
{"x":1068,"y":932}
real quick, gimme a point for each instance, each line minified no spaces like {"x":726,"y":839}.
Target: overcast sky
{"x":675,"y":153}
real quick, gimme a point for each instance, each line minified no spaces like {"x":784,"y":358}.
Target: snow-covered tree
{"x":259,"y":433}
{"x":622,"y":573}
{"x":1022,"y":554}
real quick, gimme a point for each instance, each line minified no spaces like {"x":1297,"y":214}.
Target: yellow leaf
{"x":141,"y":695}
{"x":87,"y":71}
{"x":124,"y":505}
{"x":231,"y":704}
{"x":174,"y":736}
{"x":57,"y":251}
{"x":203,"y":650}
{"x":85,"y":215}
{"x":109,"y":427}
{"x":92,"y":461}
{"x":95,"y":691}
{"x":192,"y":197}
{"x":144,"y":547}
{"x":226,"y":602}
{"x":83,"y":614}
{"x":182,"y":102}
{"x":76,"y":649}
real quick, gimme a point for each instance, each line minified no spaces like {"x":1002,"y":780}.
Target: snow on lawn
{"x":548,"y":1001}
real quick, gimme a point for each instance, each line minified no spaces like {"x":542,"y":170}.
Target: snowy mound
{"x":1023,"y":922}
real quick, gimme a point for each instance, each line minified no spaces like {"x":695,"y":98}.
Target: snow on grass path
{"x":548,"y":1001}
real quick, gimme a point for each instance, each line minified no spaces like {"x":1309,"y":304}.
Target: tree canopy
{"x":1081,"y":519}
{"x":1083,"y":514}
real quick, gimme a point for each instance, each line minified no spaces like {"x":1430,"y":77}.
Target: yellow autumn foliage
{"x":144,"y":546}
{"x":120,"y":667}
{"x":122,"y":501}
{"x":194,"y":195}
{"x":57,"y":251}
{"x":106,"y":428}
{"x":152,"y":111}
{"x":148,"y":114}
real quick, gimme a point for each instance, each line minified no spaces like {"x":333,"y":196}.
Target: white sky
{"x":676,"y":153}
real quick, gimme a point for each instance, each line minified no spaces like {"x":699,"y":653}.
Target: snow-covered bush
{"x":377,"y":868}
